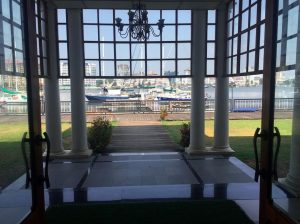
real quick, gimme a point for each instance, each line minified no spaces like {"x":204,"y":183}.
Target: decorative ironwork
{"x":138,"y":27}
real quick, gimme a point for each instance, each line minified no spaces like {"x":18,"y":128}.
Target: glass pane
{"x":62,"y":32}
{"x":107,"y":68}
{"x":89,"y":15}
{"x":63,"y":50}
{"x":184,"y":67}
{"x":168,"y":33}
{"x":243,"y":63}
{"x":244,"y":42}
{"x":245,"y":20}
{"x":184,"y":50}
{"x":253,"y":16}
{"x":263,"y":9}
{"x":39,"y":65}
{"x":262,"y":35}
{"x":44,"y":46}
{"x":7,"y":33}
{"x":184,"y":32}
{"x":63,"y":68}
{"x":211,"y":16}
{"x":153,"y":51}
{"x":234,"y":65}
{"x":279,"y":28}
{"x":252,"y":39}
{"x":90,"y":32}
{"x":91,"y":68}
{"x":210,"y":67}
{"x":291,"y":49}
{"x":61,"y":16}
{"x":245,"y":4}
{"x":228,"y":66}
{"x":106,"y":33}
{"x":229,"y":29}
{"x":37,"y":46}
{"x":235,"y":46}
{"x":43,"y":28}
{"x":153,"y":16}
{"x":6,"y":8}
{"x":91,"y":51}
{"x":278,"y":55}
{"x":120,"y":38}
{"x":19,"y":60}
{"x":210,"y":53}
{"x":293,"y":21}
{"x":106,"y":16}
{"x":106,"y":51}
{"x":229,"y":47}
{"x":230,"y":10}
{"x":236,"y":25}
{"x":211,"y":32}
{"x":168,"y":50}
{"x":138,"y":51}
{"x":251,"y":61}
{"x":138,"y":68}
{"x":122,"y":14}
{"x":16,"y":12}
{"x":45,"y":67}
{"x":236,"y":7}
{"x":122,"y":51}
{"x":261,"y":59}
{"x":169,"y":16}
{"x":168,"y":68}
{"x":184,"y":16}
{"x":123,"y":68}
{"x":153,"y":68}
{"x":18,"y":38}
{"x":8,"y":60}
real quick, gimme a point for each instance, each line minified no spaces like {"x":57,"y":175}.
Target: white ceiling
{"x":150,"y":4}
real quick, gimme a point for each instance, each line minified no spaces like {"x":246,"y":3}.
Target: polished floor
{"x":136,"y":176}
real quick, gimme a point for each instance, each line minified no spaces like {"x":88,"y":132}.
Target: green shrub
{"x":163,"y":114}
{"x":99,"y":134}
{"x":185,"y":135}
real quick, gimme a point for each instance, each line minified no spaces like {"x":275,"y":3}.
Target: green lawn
{"x":241,"y":138}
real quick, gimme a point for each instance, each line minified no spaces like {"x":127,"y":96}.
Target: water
{"x":254,"y":92}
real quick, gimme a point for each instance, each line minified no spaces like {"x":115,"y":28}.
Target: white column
{"x":76,"y":63}
{"x":292,"y":181}
{"x":52,"y":98}
{"x":198,"y":75}
{"x":221,"y":129}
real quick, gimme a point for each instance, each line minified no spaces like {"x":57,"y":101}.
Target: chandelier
{"x":138,"y":27}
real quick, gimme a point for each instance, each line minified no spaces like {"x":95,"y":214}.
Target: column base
{"x":291,"y":184}
{"x":69,"y":154}
{"x":214,"y":151}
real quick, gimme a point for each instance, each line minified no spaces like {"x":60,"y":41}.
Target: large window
{"x":211,"y":43}
{"x":288,"y":28}
{"x":41,"y":37}
{"x":11,"y":38}
{"x":108,"y":55}
{"x":62,"y":37}
{"x":245,"y":37}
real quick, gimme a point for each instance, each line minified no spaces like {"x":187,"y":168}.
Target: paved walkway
{"x":141,"y":136}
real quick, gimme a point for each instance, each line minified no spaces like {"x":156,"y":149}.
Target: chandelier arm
{"x":153,"y":32}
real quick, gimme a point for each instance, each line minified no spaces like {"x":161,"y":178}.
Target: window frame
{"x":130,"y":42}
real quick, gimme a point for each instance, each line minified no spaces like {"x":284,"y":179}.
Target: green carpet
{"x":163,"y":212}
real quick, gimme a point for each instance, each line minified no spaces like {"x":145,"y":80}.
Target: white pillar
{"x":292,"y":181}
{"x":198,"y":76}
{"x":76,"y":63}
{"x":221,"y":128}
{"x":52,"y":98}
